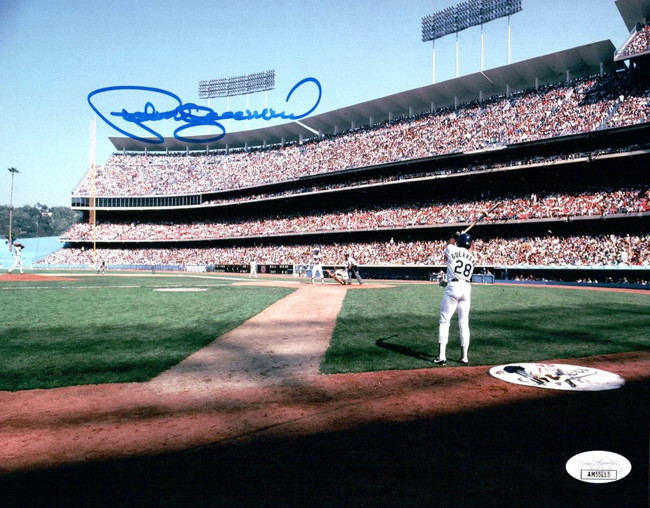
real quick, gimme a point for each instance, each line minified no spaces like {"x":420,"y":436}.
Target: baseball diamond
{"x":254,"y":404}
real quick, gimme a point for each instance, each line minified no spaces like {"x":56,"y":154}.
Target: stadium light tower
{"x":13,"y":171}
{"x":465,"y":15}
{"x":238,"y":85}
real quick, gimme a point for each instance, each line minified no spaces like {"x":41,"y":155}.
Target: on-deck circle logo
{"x":598,"y":466}
{"x":557,"y":376}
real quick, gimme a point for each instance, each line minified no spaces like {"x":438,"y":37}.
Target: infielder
{"x":18,"y":258}
{"x":253,"y":269}
{"x":460,"y":266}
{"x":317,"y":267}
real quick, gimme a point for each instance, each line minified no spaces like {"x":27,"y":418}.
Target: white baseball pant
{"x":457,"y":296}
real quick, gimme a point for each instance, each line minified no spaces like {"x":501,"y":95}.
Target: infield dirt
{"x":30,"y":277}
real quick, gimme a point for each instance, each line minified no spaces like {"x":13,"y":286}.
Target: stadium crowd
{"x":552,"y":205}
{"x":578,"y":106}
{"x":639,"y":44}
{"x":550,"y":250}
{"x":540,"y":160}
{"x":560,"y":109}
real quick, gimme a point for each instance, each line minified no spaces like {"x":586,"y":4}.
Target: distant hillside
{"x":36,"y":221}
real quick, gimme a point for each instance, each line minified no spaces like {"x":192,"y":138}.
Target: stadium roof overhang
{"x":633,"y":11}
{"x":587,"y":60}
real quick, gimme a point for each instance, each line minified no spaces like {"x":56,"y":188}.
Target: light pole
{"x":238,"y":85}
{"x":465,"y":15}
{"x":13,"y":171}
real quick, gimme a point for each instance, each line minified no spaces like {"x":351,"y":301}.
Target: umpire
{"x":353,"y":269}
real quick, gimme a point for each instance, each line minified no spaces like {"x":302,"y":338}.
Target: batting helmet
{"x":464,"y":240}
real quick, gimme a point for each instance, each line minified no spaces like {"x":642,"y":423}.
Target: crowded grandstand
{"x":559,"y":142}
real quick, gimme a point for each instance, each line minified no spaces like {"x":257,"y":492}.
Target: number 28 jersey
{"x":460,"y":263}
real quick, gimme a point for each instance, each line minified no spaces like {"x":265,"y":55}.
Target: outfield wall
{"x":621,"y":274}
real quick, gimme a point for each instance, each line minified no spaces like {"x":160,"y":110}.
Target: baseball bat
{"x":481,"y":218}
{"x":517,"y":369}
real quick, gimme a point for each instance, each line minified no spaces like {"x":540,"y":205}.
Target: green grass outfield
{"x":398,"y":328}
{"x":116,"y":329}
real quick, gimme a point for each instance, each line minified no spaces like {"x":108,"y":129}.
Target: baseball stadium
{"x":190,"y":341}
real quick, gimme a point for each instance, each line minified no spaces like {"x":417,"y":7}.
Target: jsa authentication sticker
{"x":598,"y":466}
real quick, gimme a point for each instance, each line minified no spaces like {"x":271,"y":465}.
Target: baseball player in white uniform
{"x":460,"y":266}
{"x":339,"y":275}
{"x":317,"y":267}
{"x":18,"y":259}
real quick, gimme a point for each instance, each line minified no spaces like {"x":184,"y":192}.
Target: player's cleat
{"x":463,"y":362}
{"x":439,"y":361}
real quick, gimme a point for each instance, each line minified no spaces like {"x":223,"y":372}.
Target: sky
{"x":54,"y":53}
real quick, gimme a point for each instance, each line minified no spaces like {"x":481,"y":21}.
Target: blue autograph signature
{"x":193,"y":115}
